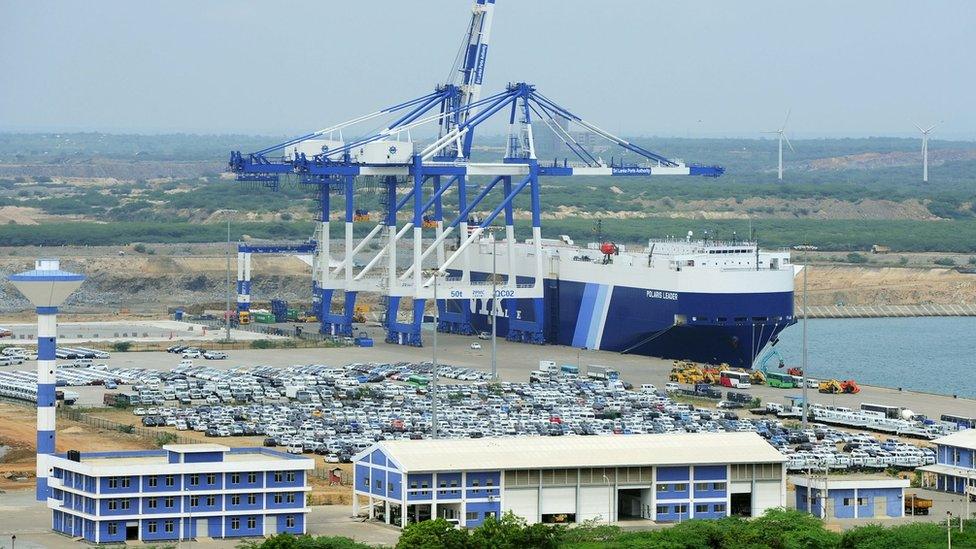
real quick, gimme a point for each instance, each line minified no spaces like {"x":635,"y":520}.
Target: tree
{"x":121,"y":346}
{"x":433,"y":534}
{"x":511,"y":532}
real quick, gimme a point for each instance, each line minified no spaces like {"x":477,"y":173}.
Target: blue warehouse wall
{"x":299,"y":519}
{"x":482,"y":508}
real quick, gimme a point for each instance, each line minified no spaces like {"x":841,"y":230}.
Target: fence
{"x":152,"y":435}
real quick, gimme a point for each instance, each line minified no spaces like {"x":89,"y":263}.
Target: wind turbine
{"x":925,"y":151}
{"x":782,"y":136}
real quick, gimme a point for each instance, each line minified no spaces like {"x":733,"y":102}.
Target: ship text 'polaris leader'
{"x":697,"y":299}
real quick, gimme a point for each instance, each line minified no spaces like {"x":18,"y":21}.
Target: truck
{"x":602,"y":373}
{"x":915,"y":505}
{"x":569,"y":370}
{"x":548,"y":366}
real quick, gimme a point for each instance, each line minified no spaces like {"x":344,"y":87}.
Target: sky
{"x":638,"y":67}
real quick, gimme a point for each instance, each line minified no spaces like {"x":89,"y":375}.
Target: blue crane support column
{"x":458,"y":321}
{"x":532,"y":330}
{"x":47,"y":286}
{"x":243,"y":279}
{"x":338,"y":323}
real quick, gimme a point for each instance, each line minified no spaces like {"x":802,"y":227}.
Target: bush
{"x":262,"y":344}
{"x":433,"y":534}
{"x":288,"y":541}
{"x":162,"y":439}
{"x":855,"y":257}
{"x":128,"y":429}
{"x":140,"y":248}
{"x":945,"y":261}
{"x":972,"y":260}
{"x":121,"y":346}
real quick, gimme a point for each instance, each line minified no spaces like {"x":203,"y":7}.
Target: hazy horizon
{"x":706,"y":69}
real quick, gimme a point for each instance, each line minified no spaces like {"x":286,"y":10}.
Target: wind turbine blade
{"x":787,"y":119}
{"x":932,"y":127}
{"x":919,"y":127}
{"x":788,"y":143}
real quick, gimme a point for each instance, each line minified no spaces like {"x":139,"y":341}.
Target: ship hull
{"x":705,"y":327}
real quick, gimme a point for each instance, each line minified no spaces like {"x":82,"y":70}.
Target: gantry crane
{"x":418,"y":175}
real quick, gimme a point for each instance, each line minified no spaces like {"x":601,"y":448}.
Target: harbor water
{"x":931,"y":354}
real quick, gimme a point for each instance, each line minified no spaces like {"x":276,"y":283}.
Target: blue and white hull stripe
{"x":592,"y":317}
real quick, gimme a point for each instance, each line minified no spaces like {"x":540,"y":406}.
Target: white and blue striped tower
{"x":47,"y":286}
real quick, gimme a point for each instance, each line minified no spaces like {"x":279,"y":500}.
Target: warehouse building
{"x":657,"y":477}
{"x":850,"y":496}
{"x":183,"y":491}
{"x":955,"y":463}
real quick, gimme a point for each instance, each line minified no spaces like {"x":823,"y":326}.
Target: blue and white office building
{"x":954,"y":469}
{"x":658,"y":477}
{"x":850,"y":496}
{"x":183,"y":491}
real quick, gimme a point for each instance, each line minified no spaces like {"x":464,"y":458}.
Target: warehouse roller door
{"x":594,"y":503}
{"x":559,"y":500}
{"x":767,"y":495}
{"x":524,"y":502}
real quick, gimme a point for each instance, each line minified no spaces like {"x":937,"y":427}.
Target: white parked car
{"x":671,"y":387}
{"x":476,"y":345}
{"x":191,"y":354}
{"x":214,"y":355}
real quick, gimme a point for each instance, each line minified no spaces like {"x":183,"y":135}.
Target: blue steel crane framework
{"x":338,"y":167}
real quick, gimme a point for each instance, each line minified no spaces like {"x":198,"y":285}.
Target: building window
{"x":290,"y":476}
{"x":152,"y":527}
{"x":290,"y":498}
{"x":235,"y":478}
{"x":277,"y":476}
{"x":125,"y":482}
{"x":424,"y":484}
{"x":471,"y":516}
{"x":211,"y":479}
{"x":847,"y":502}
{"x":701,"y":486}
{"x":443,"y":484}
{"x":662,"y":487}
{"x":170,"y":480}
{"x":379,"y":483}
{"x":252,"y":478}
{"x":235,"y":500}
{"x":681,"y":509}
{"x":125,"y":504}
{"x":251,"y":523}
{"x":718,"y":508}
{"x":662,"y":509}
{"x":194,"y":480}
{"x":168,"y":526}
{"x":475,"y":482}
{"x":718,"y":486}
{"x":113,"y":529}
{"x":151,"y":482}
{"x":413,"y":483}
{"x":391,"y":487}
{"x":701,"y":508}
{"x":113,"y":482}
{"x":454,"y":483}
{"x":681,"y":487}
{"x":113,"y":504}
{"x":194,"y":501}
{"x":860,"y":502}
{"x":277,"y":498}
{"x":252,"y":499}
{"x":290,"y":521}
{"x":151,"y":503}
{"x":211,"y":501}
{"x":235,"y":523}
{"x":168,"y":503}
{"x":489,"y":482}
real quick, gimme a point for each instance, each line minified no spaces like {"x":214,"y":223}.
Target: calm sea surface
{"x":933,"y":354}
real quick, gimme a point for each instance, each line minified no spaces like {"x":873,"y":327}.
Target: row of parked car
{"x":188,"y":352}
{"x":337,"y":411}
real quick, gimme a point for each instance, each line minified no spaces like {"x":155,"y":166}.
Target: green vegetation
{"x":162,"y":439}
{"x":128,"y":429}
{"x":121,"y":346}
{"x":777,"y":529}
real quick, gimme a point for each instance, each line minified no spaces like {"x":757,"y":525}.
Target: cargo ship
{"x":682,"y":298}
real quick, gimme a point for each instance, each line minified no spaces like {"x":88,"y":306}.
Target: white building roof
{"x":578,"y":451}
{"x":965,"y":438}
{"x":849,"y":482}
{"x":195,"y":448}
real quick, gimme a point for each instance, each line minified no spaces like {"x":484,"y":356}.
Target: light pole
{"x":949,"y":529}
{"x":803,"y":366}
{"x":433,"y":375}
{"x":609,"y":499}
{"x":494,"y":307}
{"x":227,"y":285}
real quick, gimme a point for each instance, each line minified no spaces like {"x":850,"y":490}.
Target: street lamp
{"x":227,"y":286}
{"x":949,"y":529}
{"x":435,"y":274}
